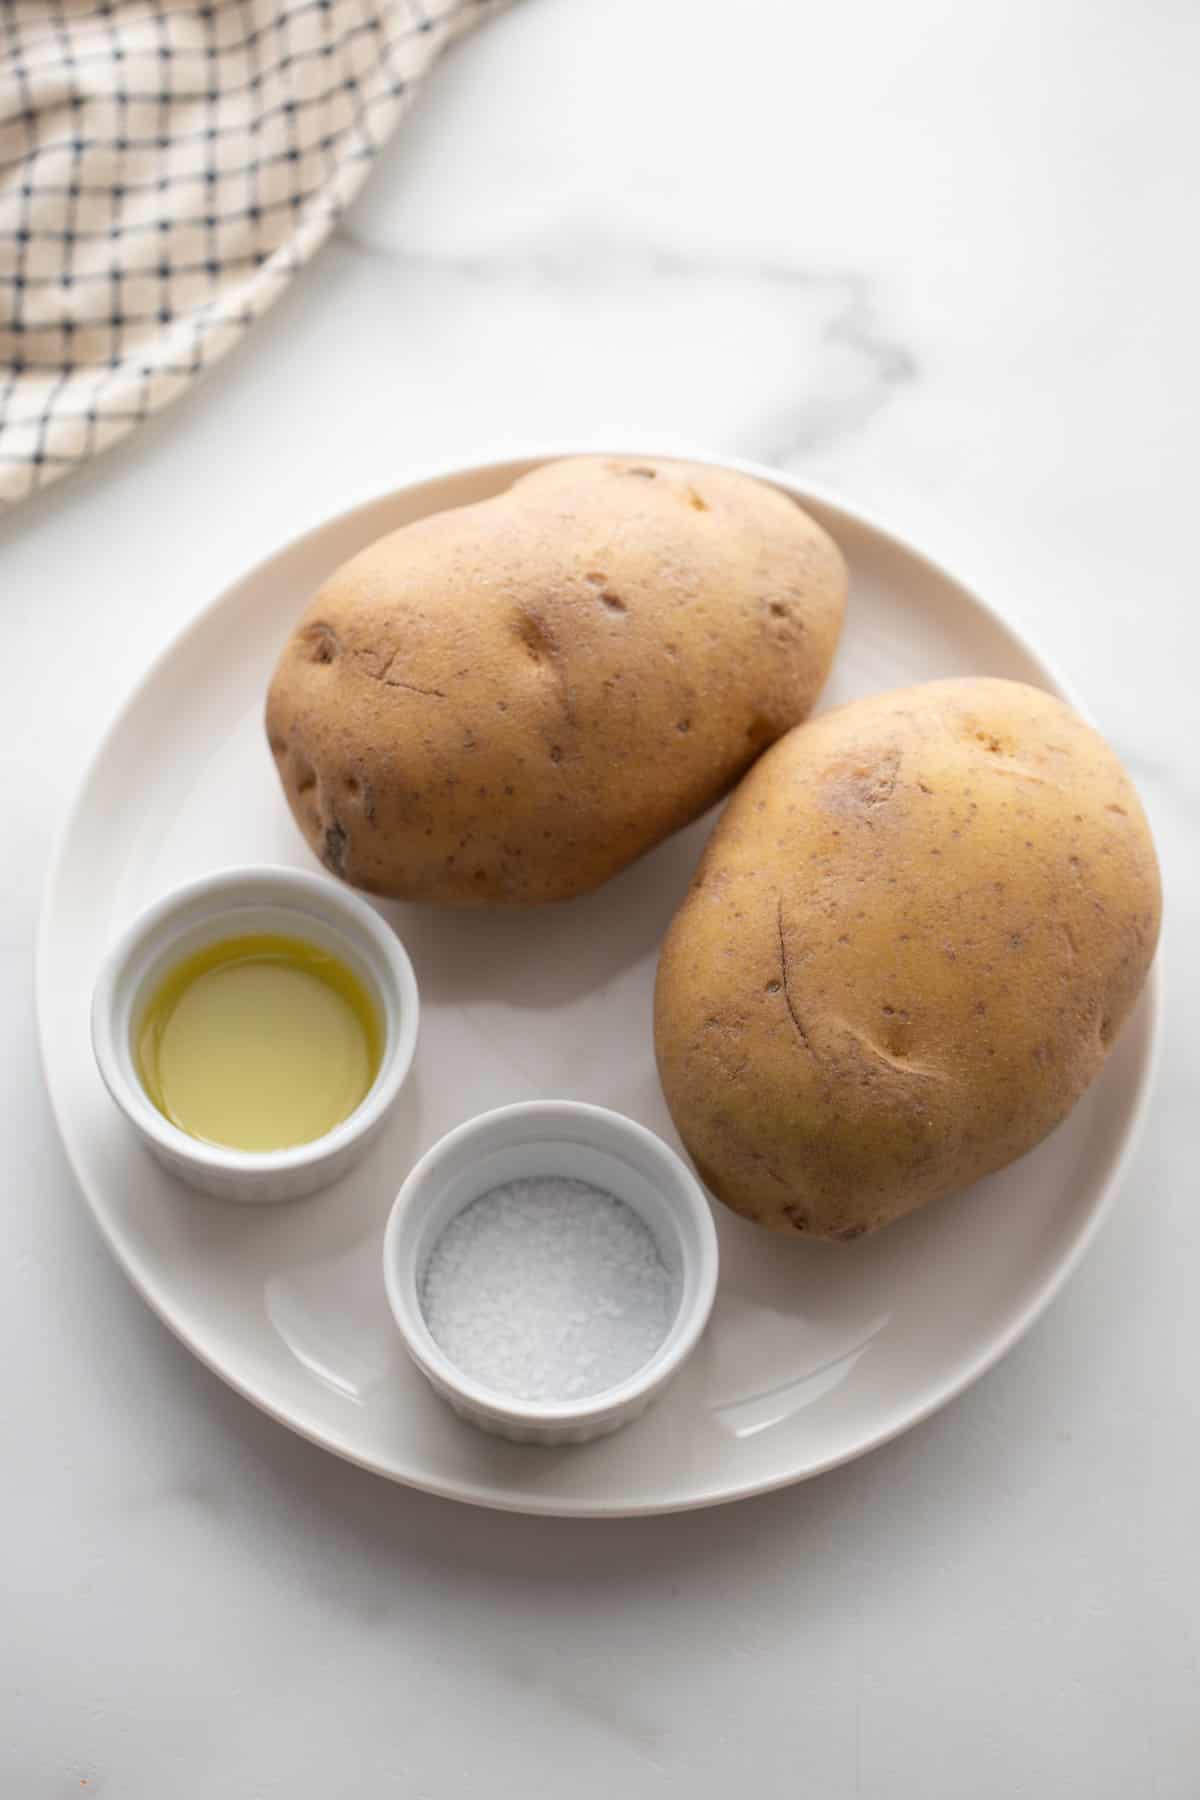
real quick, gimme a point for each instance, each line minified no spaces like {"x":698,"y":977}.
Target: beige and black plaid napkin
{"x":165,"y":168}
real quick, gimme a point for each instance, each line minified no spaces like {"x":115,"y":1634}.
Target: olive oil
{"x":259,"y":1043}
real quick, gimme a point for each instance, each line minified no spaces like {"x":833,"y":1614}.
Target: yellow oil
{"x":259,"y":1043}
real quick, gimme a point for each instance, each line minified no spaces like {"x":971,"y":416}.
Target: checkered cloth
{"x":165,"y":168}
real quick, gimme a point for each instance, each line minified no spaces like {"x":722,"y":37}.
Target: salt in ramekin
{"x":557,"y":1138}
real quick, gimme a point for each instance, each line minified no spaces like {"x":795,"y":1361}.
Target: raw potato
{"x":509,"y":702}
{"x":917,"y":929}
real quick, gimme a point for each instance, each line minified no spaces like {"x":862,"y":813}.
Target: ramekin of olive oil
{"x":259,"y":1042}
{"x":255,"y":1027}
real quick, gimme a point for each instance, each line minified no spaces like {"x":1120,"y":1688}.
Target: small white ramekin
{"x":230,"y":904}
{"x":582,"y":1143}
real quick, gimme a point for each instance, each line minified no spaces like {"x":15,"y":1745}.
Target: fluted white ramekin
{"x":582,"y":1143}
{"x":233,"y":903}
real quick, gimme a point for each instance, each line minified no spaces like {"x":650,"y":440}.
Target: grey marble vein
{"x":848,"y":301}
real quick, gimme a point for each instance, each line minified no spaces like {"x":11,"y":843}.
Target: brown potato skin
{"x":918,"y":926}
{"x":507,"y":703}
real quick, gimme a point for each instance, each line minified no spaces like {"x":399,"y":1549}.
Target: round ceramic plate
{"x":815,"y":1353}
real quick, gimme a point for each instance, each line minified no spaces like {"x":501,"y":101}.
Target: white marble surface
{"x":942,"y":258}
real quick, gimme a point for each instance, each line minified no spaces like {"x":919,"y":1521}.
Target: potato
{"x":915,"y":933}
{"x":509,"y":702}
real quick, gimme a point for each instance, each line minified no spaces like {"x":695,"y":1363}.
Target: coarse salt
{"x":548,"y":1289}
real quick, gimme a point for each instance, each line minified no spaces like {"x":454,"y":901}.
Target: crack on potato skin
{"x":1012,"y":765}
{"x":787,"y":992}
{"x":410,"y":687}
{"x":385,"y":676}
{"x":769,"y":1168}
{"x":899,"y":1062}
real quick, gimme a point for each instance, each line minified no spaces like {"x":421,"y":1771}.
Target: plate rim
{"x":479,"y":1494}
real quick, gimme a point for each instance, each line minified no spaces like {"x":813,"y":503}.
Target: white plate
{"x":815,"y":1353}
